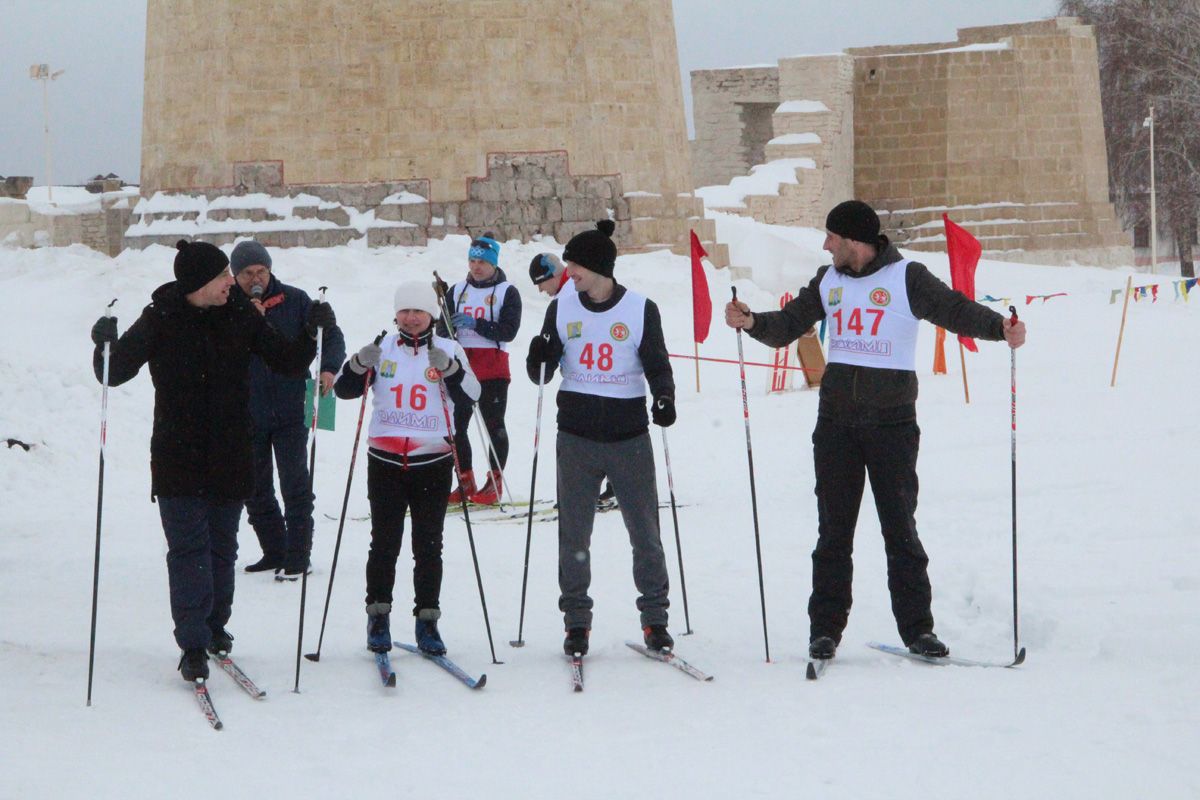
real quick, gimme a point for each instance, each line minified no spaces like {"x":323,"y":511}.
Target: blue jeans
{"x":201,"y":552}
{"x":285,"y":536}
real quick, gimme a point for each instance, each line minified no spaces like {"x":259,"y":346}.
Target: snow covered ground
{"x":1105,"y":706}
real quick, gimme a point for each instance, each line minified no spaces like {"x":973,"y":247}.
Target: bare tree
{"x":1150,"y":55}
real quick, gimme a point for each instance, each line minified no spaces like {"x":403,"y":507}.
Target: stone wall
{"x":284,"y":96}
{"x":15,"y":186}
{"x":379,"y":90}
{"x":1001,"y":129}
{"x":522,"y":196}
{"x":722,"y":148}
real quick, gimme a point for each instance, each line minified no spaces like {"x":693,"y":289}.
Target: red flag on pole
{"x":701,"y":301}
{"x":964,"y":251}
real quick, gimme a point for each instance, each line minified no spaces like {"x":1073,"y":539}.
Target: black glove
{"x":320,"y":315}
{"x":663,"y":411}
{"x":105,"y":330}
{"x":541,"y":352}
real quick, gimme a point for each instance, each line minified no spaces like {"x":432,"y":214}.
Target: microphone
{"x":256,"y":292}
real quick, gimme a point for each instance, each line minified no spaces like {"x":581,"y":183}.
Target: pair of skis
{"x":387,"y":675}
{"x":816,"y":667}
{"x":230,"y":668}
{"x":667,"y":657}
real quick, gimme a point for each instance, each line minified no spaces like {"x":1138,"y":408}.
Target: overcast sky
{"x":96,"y":105}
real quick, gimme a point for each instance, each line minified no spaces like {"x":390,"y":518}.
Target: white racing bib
{"x":600,"y":349}
{"x":406,"y":401}
{"x":869,"y":320}
{"x":480,"y":303}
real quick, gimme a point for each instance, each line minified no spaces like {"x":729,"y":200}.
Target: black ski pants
{"x":393,"y":490}
{"x":493,"y":402}
{"x":888,"y":455}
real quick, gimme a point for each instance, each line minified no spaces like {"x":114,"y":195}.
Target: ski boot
{"x":657,"y":638}
{"x":821,"y":648}
{"x":193,"y":664}
{"x":929,"y":646}
{"x":489,"y":495}
{"x":428,"y":639}
{"x":222,"y":642}
{"x":576,"y":643}
{"x":379,"y":630}
{"x":465,"y":489}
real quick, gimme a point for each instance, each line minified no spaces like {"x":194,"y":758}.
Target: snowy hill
{"x":1105,"y":706}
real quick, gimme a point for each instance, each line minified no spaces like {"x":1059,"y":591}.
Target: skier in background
{"x":485,"y":314}
{"x":277,"y":411}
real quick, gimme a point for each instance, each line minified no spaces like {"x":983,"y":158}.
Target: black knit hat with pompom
{"x":595,"y":249}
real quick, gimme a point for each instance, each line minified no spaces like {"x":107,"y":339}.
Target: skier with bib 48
{"x":485,"y":312}
{"x":873,"y":299}
{"x":608,"y":343}
{"x":409,"y":457}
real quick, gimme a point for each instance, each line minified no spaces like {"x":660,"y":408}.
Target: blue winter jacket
{"x":277,"y":400}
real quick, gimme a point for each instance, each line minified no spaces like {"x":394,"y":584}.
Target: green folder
{"x":328,"y":408}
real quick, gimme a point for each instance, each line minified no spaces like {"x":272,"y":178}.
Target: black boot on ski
{"x":822,"y":647}
{"x":379,"y":629}
{"x":428,"y":639}
{"x":657,"y":638}
{"x":576,"y":643}
{"x":222,"y":642}
{"x":193,"y":664}
{"x":929,"y":646}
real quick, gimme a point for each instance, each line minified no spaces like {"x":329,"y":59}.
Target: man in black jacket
{"x":198,"y":340}
{"x":867,"y":414}
{"x":608,"y":342}
{"x":277,"y":411}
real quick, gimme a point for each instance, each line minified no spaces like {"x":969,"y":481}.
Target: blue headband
{"x":485,"y":249}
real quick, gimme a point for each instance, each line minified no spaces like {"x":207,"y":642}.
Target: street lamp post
{"x":1149,"y":123}
{"x":41,"y":72}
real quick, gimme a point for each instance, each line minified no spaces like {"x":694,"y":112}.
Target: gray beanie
{"x":247,"y":254}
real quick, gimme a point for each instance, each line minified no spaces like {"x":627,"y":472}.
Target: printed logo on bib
{"x":574,"y":330}
{"x":619,"y":331}
{"x":432,"y":375}
{"x":880,"y":297}
{"x":835,"y":296}
{"x":387,"y":369}
{"x":490,"y":300}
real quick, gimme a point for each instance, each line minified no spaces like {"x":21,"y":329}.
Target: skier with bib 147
{"x":608,"y":342}
{"x":873,"y":299}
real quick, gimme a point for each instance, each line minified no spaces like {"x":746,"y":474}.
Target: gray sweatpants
{"x":629,"y":465}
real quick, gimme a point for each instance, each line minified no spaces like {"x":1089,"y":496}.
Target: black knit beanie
{"x":595,"y":249}
{"x":854,"y":220}
{"x":543,"y":267}
{"x":196,"y":264}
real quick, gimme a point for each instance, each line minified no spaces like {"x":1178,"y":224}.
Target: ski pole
{"x":484,"y":434}
{"x":462,"y":498}
{"x":762,"y":595}
{"x":537,"y":435}
{"x":312,"y":468}
{"x":337,"y":545}
{"x":678,"y":547}
{"x":1018,"y":651}
{"x":99,"y":509}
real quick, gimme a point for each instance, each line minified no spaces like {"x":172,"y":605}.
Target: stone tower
{"x":496,"y":113}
